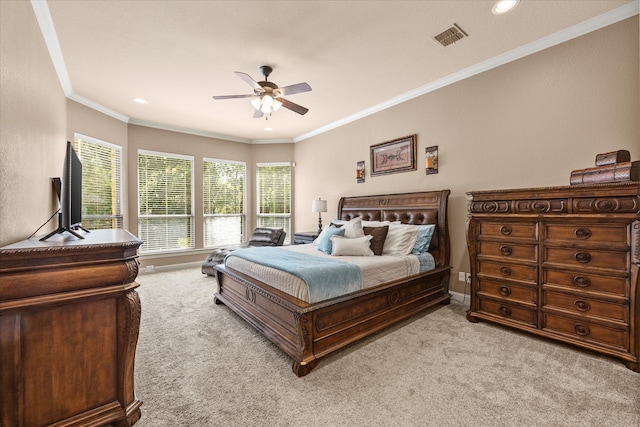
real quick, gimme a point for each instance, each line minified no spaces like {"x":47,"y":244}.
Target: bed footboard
{"x":307,"y":332}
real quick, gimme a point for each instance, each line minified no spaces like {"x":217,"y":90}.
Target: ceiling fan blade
{"x":297,"y":88}
{"x":247,"y":78}
{"x":233,"y":96}
{"x":257,"y":114}
{"x":293,"y":106}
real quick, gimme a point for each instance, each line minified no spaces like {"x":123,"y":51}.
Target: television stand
{"x":69,"y":322}
{"x":61,"y":230}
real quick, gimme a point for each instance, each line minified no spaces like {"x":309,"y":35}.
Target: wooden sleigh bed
{"x":307,"y":332}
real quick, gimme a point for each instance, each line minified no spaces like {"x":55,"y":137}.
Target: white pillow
{"x":352,"y":228}
{"x":400,"y":239}
{"x":359,"y":246}
{"x":375,"y":223}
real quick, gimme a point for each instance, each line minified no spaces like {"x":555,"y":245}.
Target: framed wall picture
{"x":394,"y":156}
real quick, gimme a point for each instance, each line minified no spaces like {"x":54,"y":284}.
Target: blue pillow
{"x":324,"y":241}
{"x":425,"y":233}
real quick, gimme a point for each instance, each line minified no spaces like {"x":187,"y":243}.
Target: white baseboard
{"x":160,"y":268}
{"x":460,"y":297}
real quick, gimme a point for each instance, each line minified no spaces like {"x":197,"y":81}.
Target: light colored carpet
{"x":198,"y":364}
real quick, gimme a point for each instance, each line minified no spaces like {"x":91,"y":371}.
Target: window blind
{"x":101,"y":182}
{"x":224,"y":202}
{"x":165,"y":201}
{"x":274,"y":196}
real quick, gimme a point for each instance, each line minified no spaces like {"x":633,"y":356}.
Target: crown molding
{"x":43,"y":16}
{"x":562,"y":36}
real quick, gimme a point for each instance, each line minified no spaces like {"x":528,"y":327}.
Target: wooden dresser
{"x":560,"y":262}
{"x":69,"y":321}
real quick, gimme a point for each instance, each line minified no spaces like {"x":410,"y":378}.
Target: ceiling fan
{"x":267,"y":96}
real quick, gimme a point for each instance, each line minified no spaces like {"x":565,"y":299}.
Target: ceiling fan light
{"x":265,"y":109}
{"x":256,"y":103}
{"x":267,"y":100}
{"x":276,"y":105}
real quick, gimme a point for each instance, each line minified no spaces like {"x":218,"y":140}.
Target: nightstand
{"x":304,"y":237}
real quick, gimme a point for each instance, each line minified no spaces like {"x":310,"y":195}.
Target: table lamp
{"x":319,"y":206}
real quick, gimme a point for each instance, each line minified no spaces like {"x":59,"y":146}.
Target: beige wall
{"x":32,"y":125}
{"x":525,"y":124}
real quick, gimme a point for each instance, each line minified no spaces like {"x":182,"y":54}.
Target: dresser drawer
{"x":520,"y":230}
{"x":508,"y":311}
{"x":508,"y":270}
{"x":587,"y":332}
{"x":509,"y":250}
{"x":587,"y":282}
{"x":582,"y":305}
{"x":527,"y":294}
{"x":586,"y":233}
{"x":580,"y":258}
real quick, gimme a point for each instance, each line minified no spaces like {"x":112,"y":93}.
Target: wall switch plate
{"x":462,"y":276}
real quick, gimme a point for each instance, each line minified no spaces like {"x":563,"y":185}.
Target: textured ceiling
{"x":358,"y":56}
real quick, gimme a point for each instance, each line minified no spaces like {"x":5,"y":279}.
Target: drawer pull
{"x":583,"y":257}
{"x":582,"y":305}
{"x":505,"y":311}
{"x":506,"y":271}
{"x":582,"y":330}
{"x":506,"y":250}
{"x":582,"y":233}
{"x":506,"y":230}
{"x":582,"y":281}
{"x":504,"y":290}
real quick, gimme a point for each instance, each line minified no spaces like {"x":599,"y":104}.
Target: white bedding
{"x":375,"y":270}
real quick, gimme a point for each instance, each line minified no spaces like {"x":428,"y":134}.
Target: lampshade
{"x":319,"y":205}
{"x":266,"y":103}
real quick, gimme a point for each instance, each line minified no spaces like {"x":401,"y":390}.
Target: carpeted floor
{"x":198,"y":364}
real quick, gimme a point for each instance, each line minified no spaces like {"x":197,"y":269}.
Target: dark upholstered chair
{"x":260,"y":237}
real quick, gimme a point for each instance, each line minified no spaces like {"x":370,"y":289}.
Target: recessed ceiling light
{"x":504,"y":6}
{"x":141,"y":101}
{"x":268,"y":129}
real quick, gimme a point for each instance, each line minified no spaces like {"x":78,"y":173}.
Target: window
{"x":274,"y":196}
{"x":101,"y":182}
{"x":165,"y":201}
{"x":224,"y":202}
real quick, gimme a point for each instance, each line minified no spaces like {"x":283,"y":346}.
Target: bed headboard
{"x":427,"y":207}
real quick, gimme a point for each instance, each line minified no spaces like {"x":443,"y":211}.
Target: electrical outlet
{"x":468,"y":278}
{"x":462,"y":276}
{"x":150,"y":268}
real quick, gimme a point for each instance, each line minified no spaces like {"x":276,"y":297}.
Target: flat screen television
{"x":69,"y":189}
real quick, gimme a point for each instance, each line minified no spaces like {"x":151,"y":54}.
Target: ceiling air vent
{"x":450,"y":35}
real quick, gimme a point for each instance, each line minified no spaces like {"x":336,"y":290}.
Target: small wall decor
{"x":360,"y":172}
{"x":394,"y":156}
{"x":431,"y":159}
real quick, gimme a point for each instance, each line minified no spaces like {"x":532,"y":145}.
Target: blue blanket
{"x":325,"y":278}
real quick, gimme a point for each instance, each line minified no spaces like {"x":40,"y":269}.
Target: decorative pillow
{"x":358,"y":246}
{"x":353,"y":227}
{"x":425,"y":233}
{"x":400,"y":239}
{"x":379,"y":235}
{"x":324,"y":239}
{"x":375,"y":223}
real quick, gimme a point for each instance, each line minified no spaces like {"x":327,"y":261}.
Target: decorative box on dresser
{"x":69,"y":322}
{"x":560,"y":262}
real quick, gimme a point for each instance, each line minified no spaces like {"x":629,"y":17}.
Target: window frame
{"x":243,"y":215}
{"x":118,"y":186}
{"x":190,"y":215}
{"x":260,"y":215}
